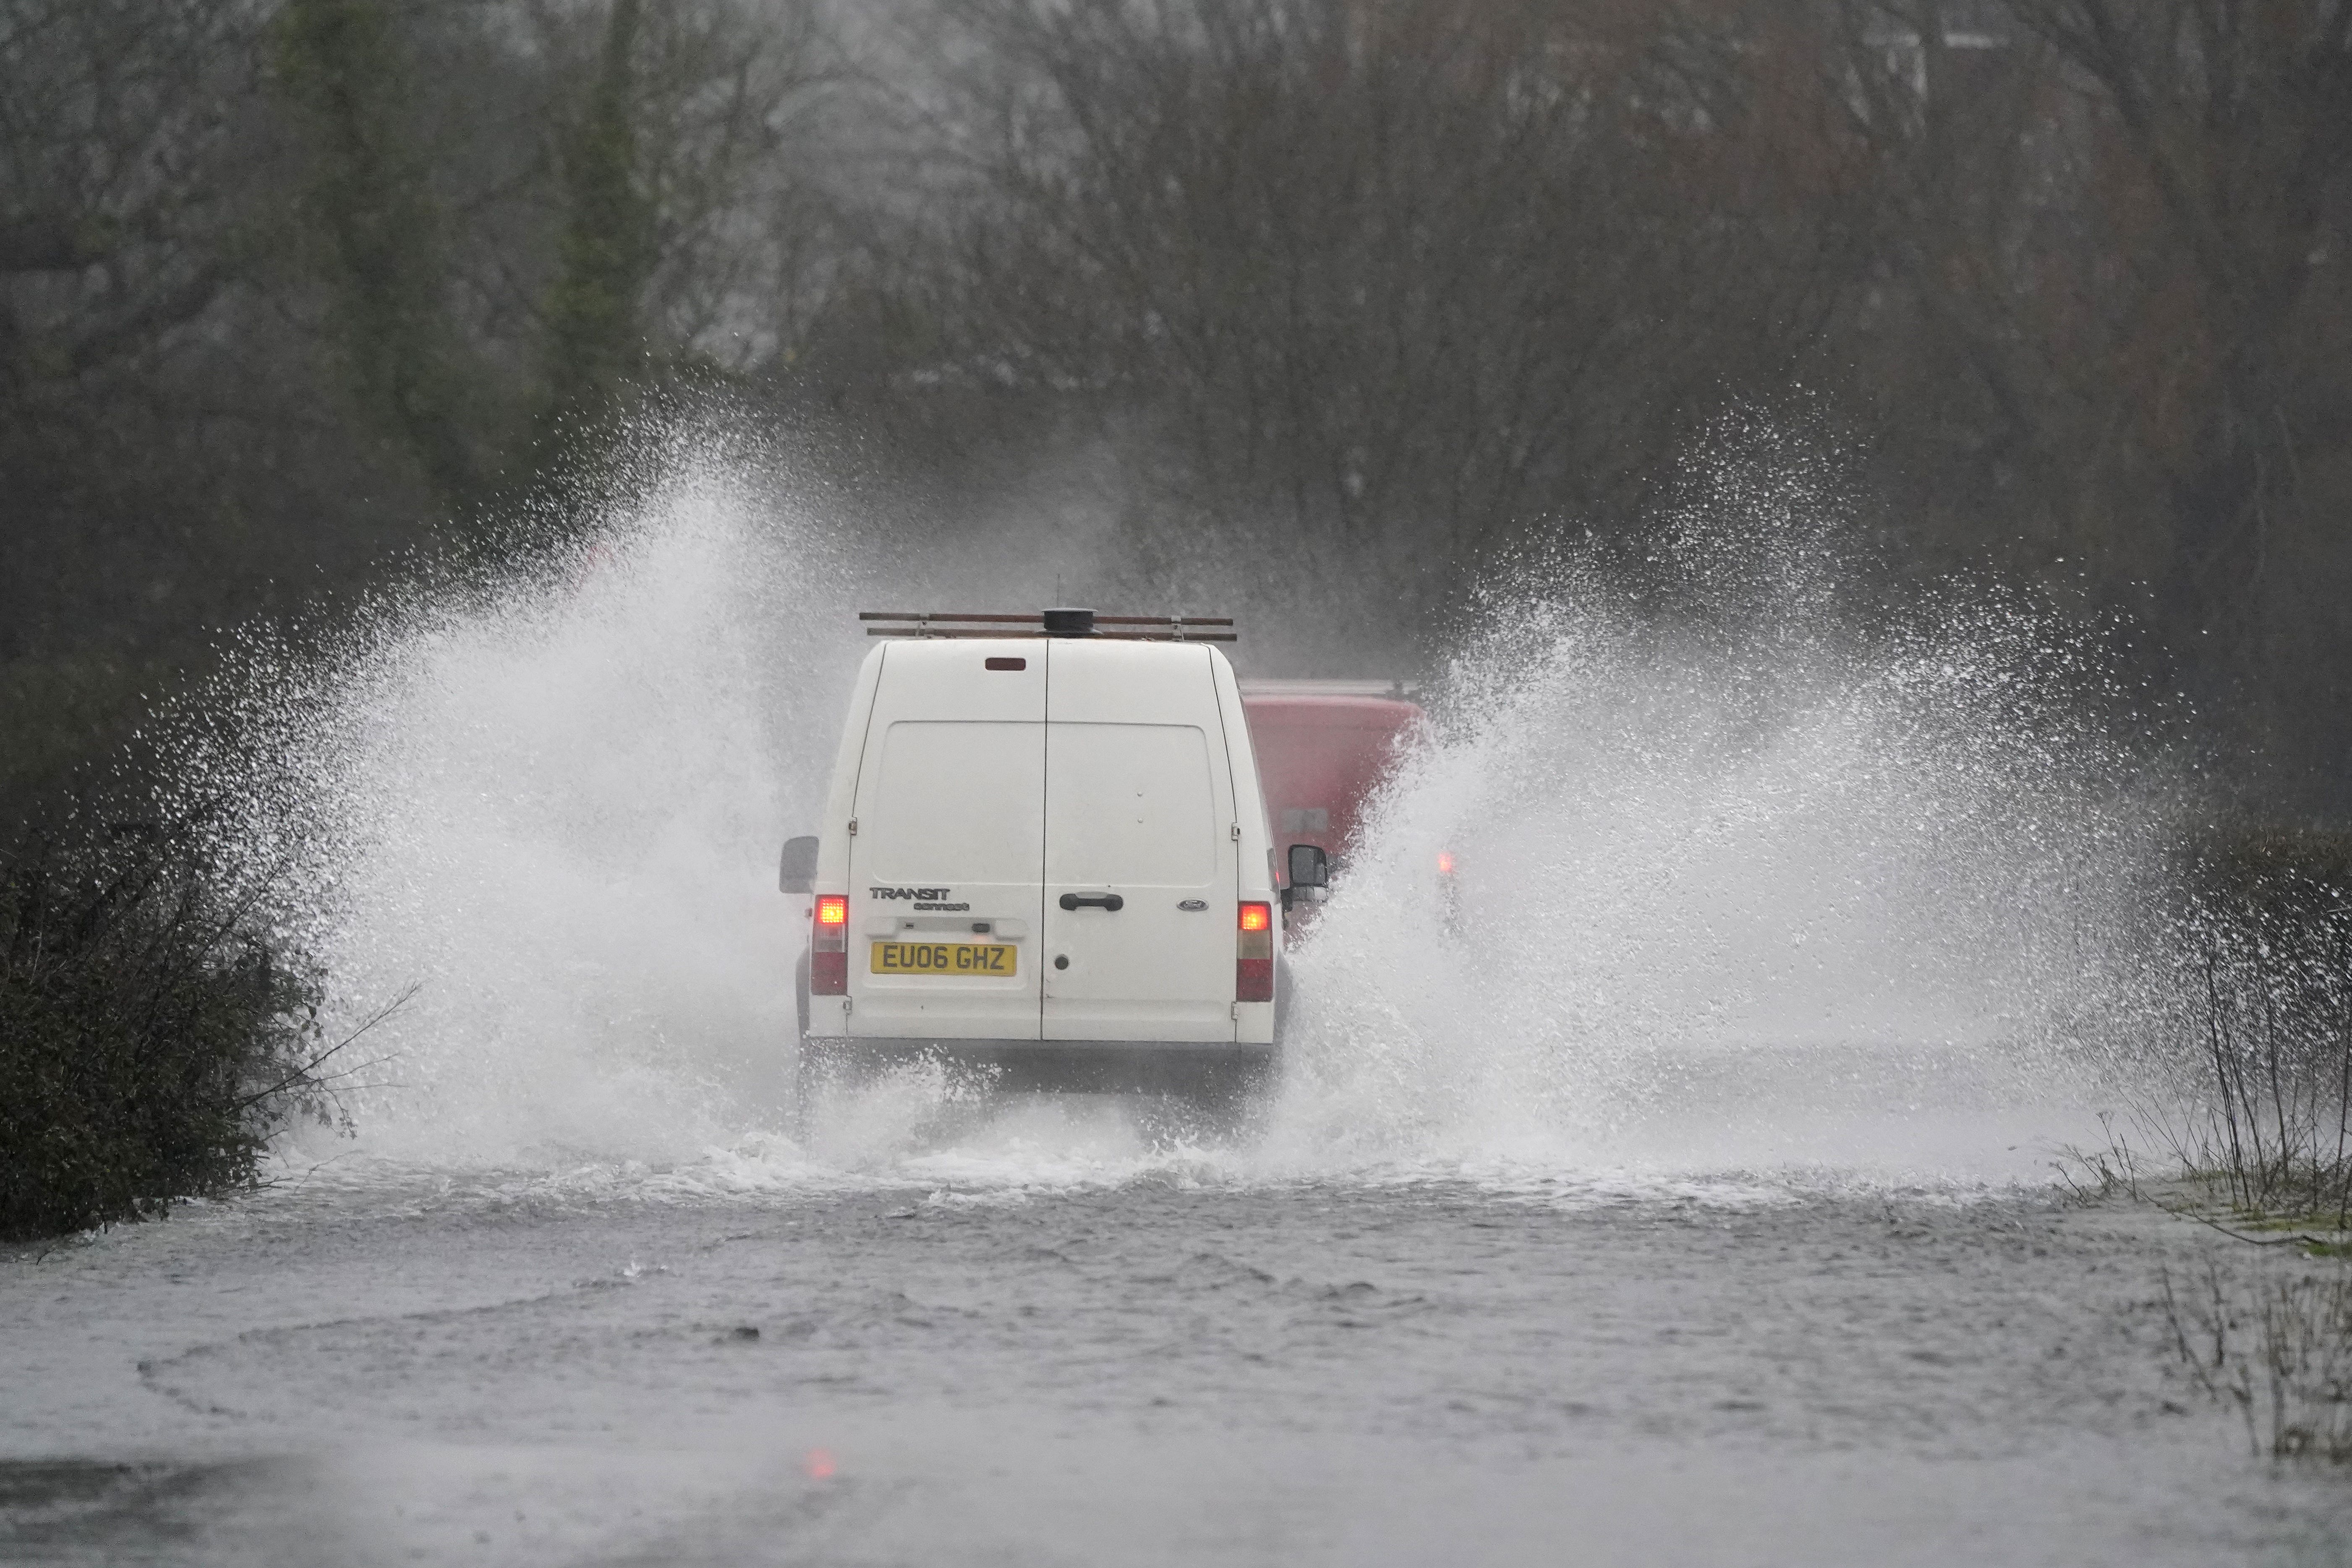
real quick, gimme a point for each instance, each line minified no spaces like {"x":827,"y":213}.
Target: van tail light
{"x":1253,"y":955}
{"x":829,"y":946}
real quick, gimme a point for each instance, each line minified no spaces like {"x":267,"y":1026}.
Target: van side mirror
{"x":796,"y":871}
{"x":1310,"y":866}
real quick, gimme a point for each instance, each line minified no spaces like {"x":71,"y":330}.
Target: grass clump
{"x":153,"y":1035}
{"x":2262,"y":1134}
{"x":2266,"y":940}
{"x":2278,"y":1352}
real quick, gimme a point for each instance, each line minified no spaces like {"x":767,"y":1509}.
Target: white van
{"x":1045,"y":851}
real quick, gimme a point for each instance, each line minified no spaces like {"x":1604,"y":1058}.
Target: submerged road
{"x":1177,"y":1366}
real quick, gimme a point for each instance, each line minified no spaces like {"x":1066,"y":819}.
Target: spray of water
{"x":1750,"y":879}
{"x":1747,"y":880}
{"x":546,"y":812}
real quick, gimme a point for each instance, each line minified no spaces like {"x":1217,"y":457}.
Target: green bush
{"x":152,"y":1036}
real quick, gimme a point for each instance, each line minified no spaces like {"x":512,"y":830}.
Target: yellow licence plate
{"x":995,"y":958}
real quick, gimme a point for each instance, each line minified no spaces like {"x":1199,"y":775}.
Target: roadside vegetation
{"x":2256,"y":1140}
{"x":2277,"y":1350}
{"x":2260,"y":1126}
{"x":153,"y":1035}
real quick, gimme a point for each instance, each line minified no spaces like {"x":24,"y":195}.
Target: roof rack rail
{"x":1055,"y":623}
{"x":1395,"y":689}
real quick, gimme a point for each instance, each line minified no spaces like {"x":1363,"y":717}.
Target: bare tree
{"x":2223,"y":150}
{"x":121,"y":131}
{"x":1418,"y":274}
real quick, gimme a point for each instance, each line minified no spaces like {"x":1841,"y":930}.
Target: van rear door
{"x":1140,"y":808}
{"x":948,"y":842}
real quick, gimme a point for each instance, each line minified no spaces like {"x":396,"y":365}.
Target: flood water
{"x":955,"y":1362}
{"x":1680,"y":1187}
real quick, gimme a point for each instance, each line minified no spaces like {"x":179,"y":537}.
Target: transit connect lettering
{"x":912,"y":892}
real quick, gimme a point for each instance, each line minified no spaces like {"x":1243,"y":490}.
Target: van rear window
{"x":1129,"y":805}
{"x":958,"y":802}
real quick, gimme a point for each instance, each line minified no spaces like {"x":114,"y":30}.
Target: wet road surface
{"x":1177,"y":1367}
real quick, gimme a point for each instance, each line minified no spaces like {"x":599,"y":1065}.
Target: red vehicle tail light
{"x":829,"y":946}
{"x":1445,"y":862}
{"x":1253,"y":955}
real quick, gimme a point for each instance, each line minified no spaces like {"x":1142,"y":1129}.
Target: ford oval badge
{"x":1194,"y":904}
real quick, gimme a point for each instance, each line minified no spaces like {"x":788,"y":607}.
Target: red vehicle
{"x":1323,"y":746}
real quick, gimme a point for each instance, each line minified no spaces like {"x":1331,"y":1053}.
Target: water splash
{"x":1749,"y":880}
{"x":1747,"y":877}
{"x":550,"y":808}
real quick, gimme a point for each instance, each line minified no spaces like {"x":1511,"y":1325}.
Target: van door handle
{"x":1110,"y":901}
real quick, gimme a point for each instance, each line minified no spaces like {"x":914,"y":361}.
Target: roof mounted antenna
{"x":1065,"y":622}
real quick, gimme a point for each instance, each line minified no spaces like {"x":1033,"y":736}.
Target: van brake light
{"x":829,"y":946}
{"x":1253,"y":955}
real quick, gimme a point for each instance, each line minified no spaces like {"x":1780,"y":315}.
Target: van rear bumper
{"x":1069,"y":1067}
